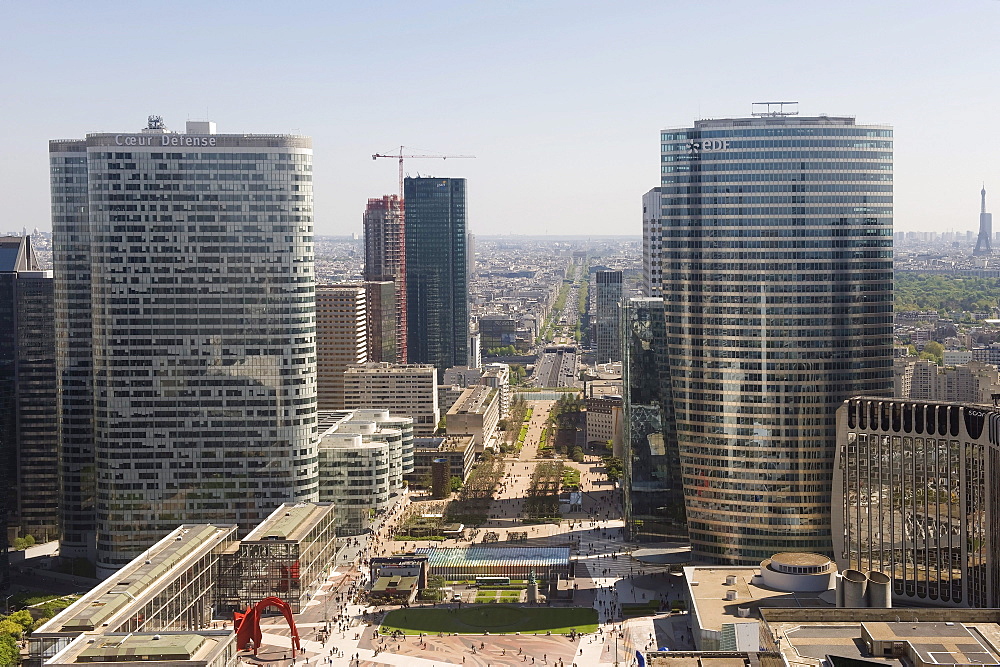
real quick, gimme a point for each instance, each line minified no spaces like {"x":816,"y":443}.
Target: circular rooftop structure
{"x":800,"y":563}
{"x":797,"y":571}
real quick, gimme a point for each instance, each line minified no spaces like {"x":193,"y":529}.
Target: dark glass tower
{"x":436,"y":272}
{"x":776,"y":260}
{"x":28,"y":437}
{"x":654,"y":497}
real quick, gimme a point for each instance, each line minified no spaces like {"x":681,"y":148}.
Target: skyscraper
{"x":653,"y":488}
{"x":385,"y":259}
{"x":984,"y":244}
{"x":651,"y":240}
{"x":28,"y":481}
{"x":382,"y":320}
{"x":28,"y":435}
{"x":436,"y":272}
{"x":341,"y":340}
{"x":607,"y":318}
{"x":777,"y":288}
{"x":186,"y":299}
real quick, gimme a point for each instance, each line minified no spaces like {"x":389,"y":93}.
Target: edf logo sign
{"x":708,"y":145}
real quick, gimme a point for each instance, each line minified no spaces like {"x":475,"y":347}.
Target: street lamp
{"x":6,"y":603}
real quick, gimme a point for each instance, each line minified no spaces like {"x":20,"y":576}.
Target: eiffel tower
{"x":984,"y":246}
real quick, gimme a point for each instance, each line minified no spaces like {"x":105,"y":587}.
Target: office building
{"x":653,"y":489}
{"x":408,"y":390}
{"x":458,"y":452}
{"x":288,"y":556}
{"x":437,"y":272}
{"x":498,"y":376}
{"x":28,"y":435}
{"x":607,"y":315}
{"x":777,"y":286}
{"x":185,"y":291}
{"x":170,"y":587}
{"x":341,"y":339}
{"x":652,"y":239}
{"x":914,"y":497}
{"x":972,"y":382}
{"x":380,"y":298}
{"x":476,"y":413}
{"x":363,"y":458}
{"x":385,"y":258}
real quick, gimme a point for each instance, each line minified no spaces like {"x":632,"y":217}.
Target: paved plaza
{"x":606,"y":577}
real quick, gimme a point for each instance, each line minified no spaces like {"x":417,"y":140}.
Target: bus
{"x":492,"y":581}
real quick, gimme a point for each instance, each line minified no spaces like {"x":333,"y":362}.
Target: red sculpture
{"x":248,"y":624}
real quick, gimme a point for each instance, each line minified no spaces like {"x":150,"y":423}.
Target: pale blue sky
{"x":561,"y":101}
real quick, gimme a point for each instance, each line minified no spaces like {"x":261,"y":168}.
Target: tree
{"x":9,"y":652}
{"x":11,"y":628}
{"x":22,"y":618}
{"x":456,"y":483}
{"x":933,"y":351}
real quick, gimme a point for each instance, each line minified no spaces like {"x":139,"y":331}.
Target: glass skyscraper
{"x":187,"y":340}
{"x":653,"y":488}
{"x":436,"y":272}
{"x":776,"y":260}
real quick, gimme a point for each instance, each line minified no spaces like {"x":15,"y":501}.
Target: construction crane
{"x":400,"y":157}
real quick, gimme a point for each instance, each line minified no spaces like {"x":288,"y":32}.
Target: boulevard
{"x":338,"y":627}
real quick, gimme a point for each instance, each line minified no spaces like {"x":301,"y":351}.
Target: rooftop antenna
{"x":777,"y":110}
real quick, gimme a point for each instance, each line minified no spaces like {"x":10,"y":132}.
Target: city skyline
{"x":548,"y":99}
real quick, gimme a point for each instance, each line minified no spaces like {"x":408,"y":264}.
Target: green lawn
{"x":493,"y":618}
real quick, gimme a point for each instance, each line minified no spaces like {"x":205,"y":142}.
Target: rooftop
{"x":474,"y":400}
{"x":290,"y":522}
{"x":709,"y":589}
{"x":160,"y":648}
{"x":139,"y":579}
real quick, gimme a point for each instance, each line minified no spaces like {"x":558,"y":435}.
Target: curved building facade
{"x":196,"y":252}
{"x":915,"y":497}
{"x":776,"y":260}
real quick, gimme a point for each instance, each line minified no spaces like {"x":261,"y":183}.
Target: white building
{"x":476,"y":413}
{"x":184,"y":287}
{"x":363,"y":457}
{"x":651,"y":242}
{"x":404,"y":389}
{"x":341,"y":339}
{"x":974,"y":382}
{"x":498,"y":376}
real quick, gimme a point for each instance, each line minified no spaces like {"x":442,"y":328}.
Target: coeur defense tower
{"x":776,"y":256}
{"x":187,"y":354}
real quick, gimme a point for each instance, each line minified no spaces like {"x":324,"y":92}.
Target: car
{"x":456,"y":597}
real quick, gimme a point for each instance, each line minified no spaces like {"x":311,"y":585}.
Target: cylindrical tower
{"x":777,"y":286}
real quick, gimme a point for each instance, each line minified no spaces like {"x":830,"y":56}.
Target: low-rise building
{"x":459,"y":451}
{"x":204,"y":648}
{"x":287,"y":555}
{"x":605,"y":421}
{"x":403,"y":389}
{"x":170,"y":586}
{"x":364,"y":456}
{"x":497,"y":375}
{"x":724,"y":601}
{"x":476,"y":413}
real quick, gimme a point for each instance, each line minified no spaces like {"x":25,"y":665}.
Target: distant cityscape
{"x":766,"y":420}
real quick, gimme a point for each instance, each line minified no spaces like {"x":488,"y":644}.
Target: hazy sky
{"x":561,"y":102}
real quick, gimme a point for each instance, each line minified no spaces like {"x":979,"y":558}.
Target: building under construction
{"x":385,"y":258}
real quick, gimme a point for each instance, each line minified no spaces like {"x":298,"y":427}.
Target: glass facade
{"x":186,"y":282}
{"x":607,"y":320}
{"x":776,"y":275}
{"x":654,"y":497}
{"x":385,"y":260}
{"x":915,"y":498}
{"x":74,"y":345}
{"x":436,"y":272}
